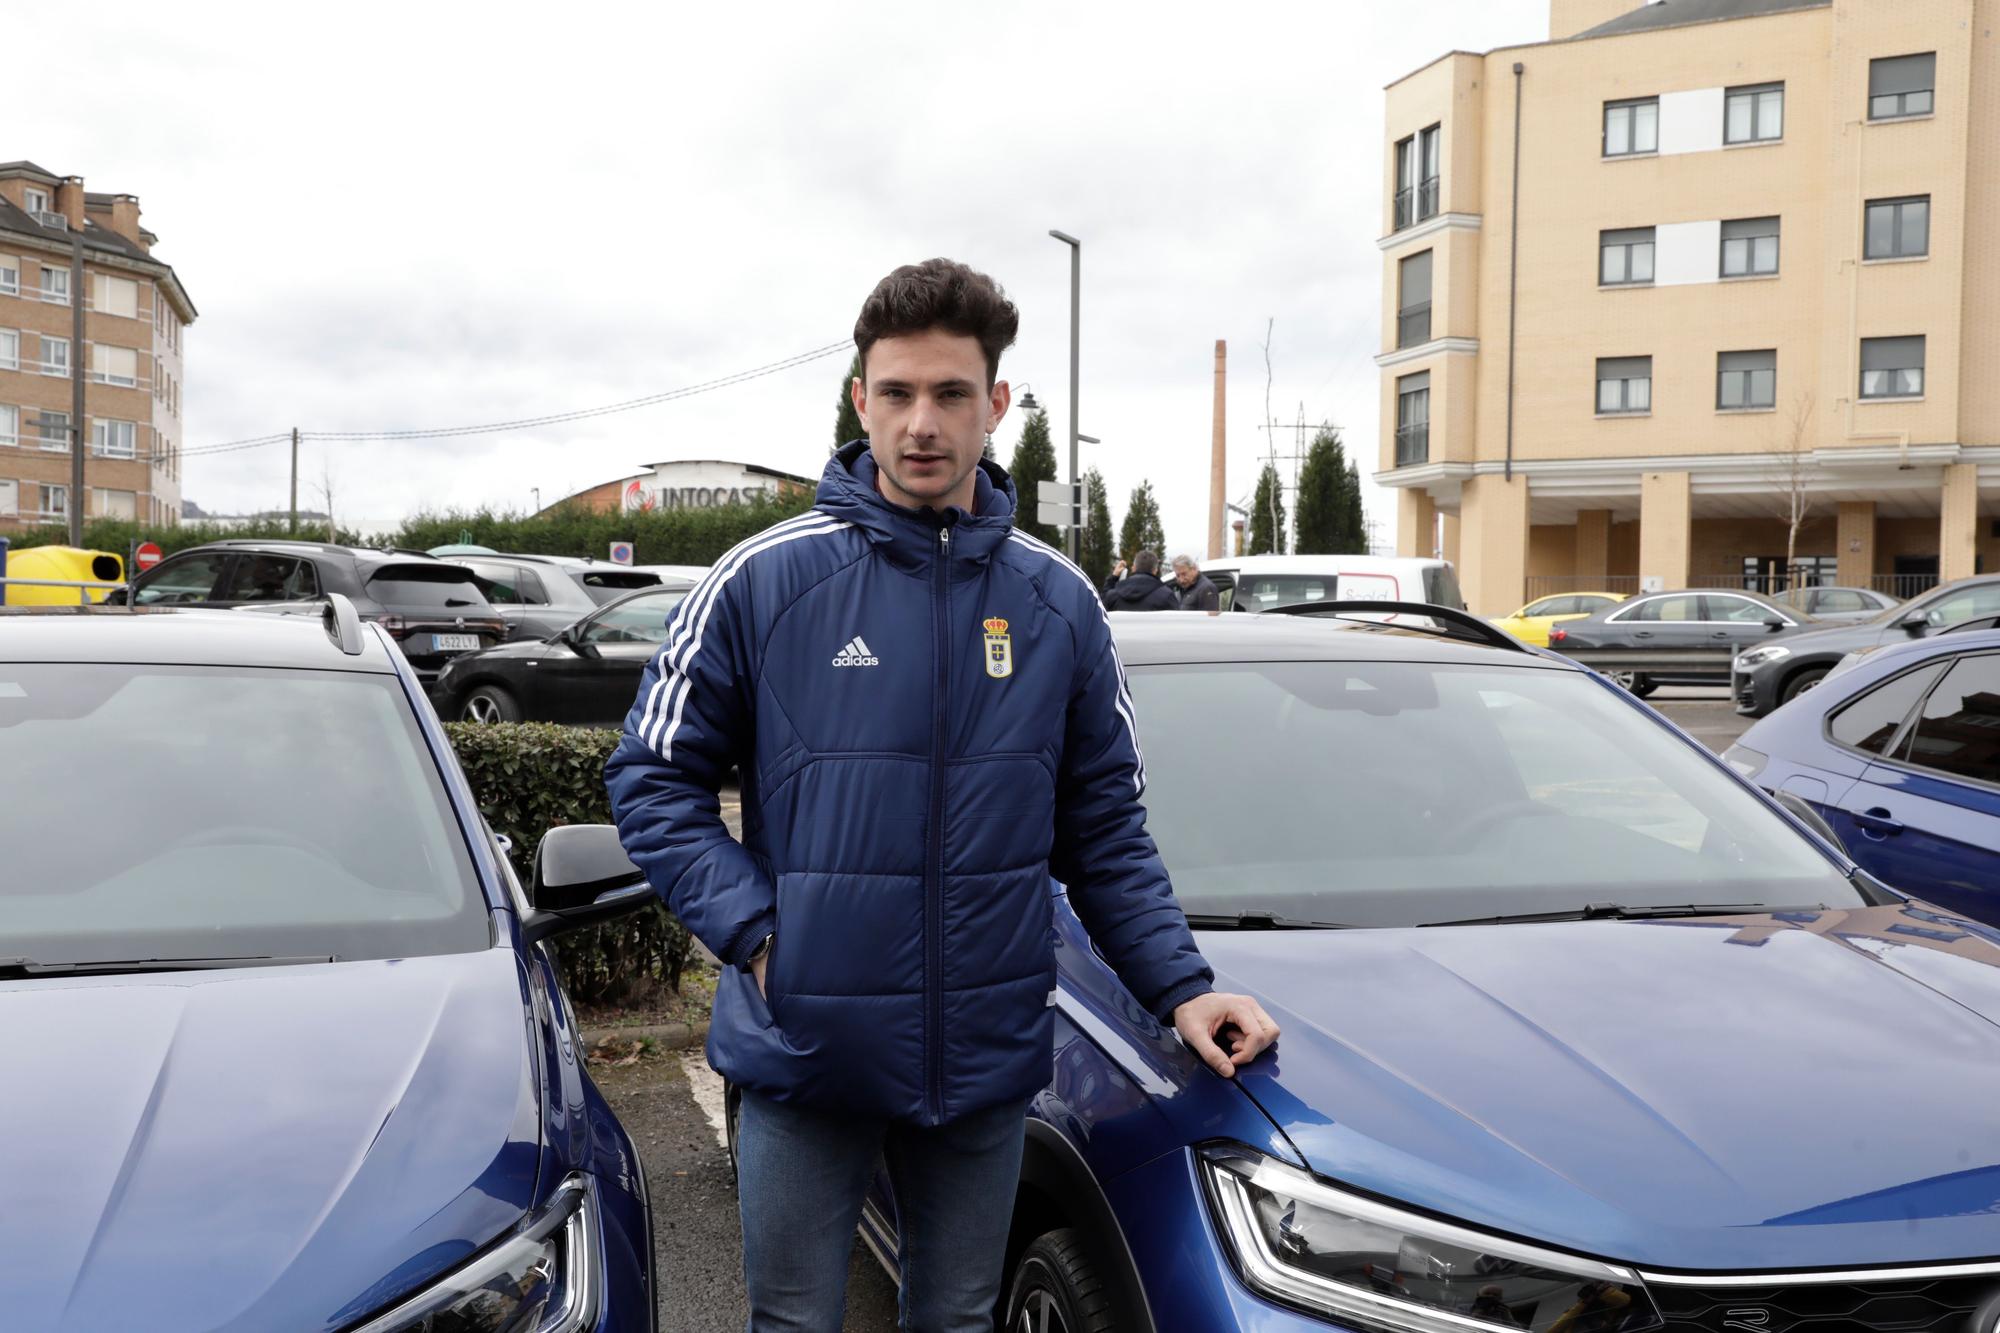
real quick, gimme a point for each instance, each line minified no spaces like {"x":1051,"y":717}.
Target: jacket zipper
{"x":934,"y":870}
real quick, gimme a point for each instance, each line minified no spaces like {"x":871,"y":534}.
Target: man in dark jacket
{"x":1192,"y":588}
{"x":929,"y":719}
{"x":1141,"y":590}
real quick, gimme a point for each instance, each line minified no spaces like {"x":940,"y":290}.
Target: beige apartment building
{"x":135,"y":316}
{"x":1653,"y":283}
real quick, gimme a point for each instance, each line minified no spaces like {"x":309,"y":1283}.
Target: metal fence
{"x":1547,"y":585}
{"x":1900,"y":586}
{"x":83,"y":590}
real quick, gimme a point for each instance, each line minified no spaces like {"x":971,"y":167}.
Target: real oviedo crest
{"x":999,"y":649}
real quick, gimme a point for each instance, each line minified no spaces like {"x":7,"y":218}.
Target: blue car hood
{"x":1740,"y":1093}
{"x":258,"y":1149}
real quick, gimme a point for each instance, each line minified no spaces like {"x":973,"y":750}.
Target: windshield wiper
{"x":1612,"y":912}
{"x":16,"y":968}
{"x":1257,"y":921}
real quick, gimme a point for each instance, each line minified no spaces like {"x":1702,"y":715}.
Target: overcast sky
{"x":421,"y":214}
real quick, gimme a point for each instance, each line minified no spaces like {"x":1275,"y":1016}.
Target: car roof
{"x":369,"y":555}
{"x":1163,"y":638}
{"x":1308,"y":564}
{"x":180,"y":636}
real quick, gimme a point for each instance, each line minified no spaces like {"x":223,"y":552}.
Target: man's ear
{"x":857,"y":391}
{"x":1003,"y":396}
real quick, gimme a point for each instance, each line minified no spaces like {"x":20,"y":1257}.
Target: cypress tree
{"x":1267,"y":514}
{"x":1034,"y":462}
{"x":1095,"y":553}
{"x":1141,"y":530}
{"x":847,"y":422}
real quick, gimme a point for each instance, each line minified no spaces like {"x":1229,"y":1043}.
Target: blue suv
{"x":1582,"y":1032}
{"x":284,"y":1048}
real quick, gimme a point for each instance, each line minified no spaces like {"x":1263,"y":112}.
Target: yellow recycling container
{"x":65,"y":564}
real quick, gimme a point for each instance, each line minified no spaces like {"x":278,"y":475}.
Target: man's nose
{"x":924,"y":420}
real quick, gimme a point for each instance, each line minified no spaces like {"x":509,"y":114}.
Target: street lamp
{"x":538,"y":498}
{"x":1075,"y":293}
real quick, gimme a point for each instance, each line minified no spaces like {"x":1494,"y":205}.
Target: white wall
{"x":1686,"y":252}
{"x":1691,"y":121}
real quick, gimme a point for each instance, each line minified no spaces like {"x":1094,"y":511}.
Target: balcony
{"x":1413,"y":444}
{"x":1416,"y":203}
{"x":1413,"y":325}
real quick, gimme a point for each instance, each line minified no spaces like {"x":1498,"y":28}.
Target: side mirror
{"x":1916,"y":622}
{"x":1775,"y":623}
{"x":575,"y":639}
{"x":582,"y":878}
{"x":1800,"y":809}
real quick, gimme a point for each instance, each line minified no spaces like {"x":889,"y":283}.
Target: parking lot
{"x":671,"y":1106}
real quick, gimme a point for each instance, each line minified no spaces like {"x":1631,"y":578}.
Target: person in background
{"x":1192,"y":588}
{"x":1141,"y":590}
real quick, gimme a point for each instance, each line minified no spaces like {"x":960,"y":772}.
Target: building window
{"x":10,"y":425}
{"x":114,"y":439}
{"x":38,"y":200}
{"x":1631,"y":128}
{"x":1746,"y":380}
{"x":1755,"y":114}
{"x":1901,"y":86}
{"x":52,"y":431}
{"x":55,"y":284}
{"x":1625,"y":258}
{"x":10,"y":350}
{"x":1898,"y":228}
{"x":10,"y":275}
{"x":114,"y":296}
{"x":10,"y":498}
{"x":1413,"y":313}
{"x":55,"y":355}
{"x":1417,"y":177}
{"x":55,"y":500}
{"x":1624,"y":385}
{"x":1413,"y":419}
{"x":1750,"y":248}
{"x":114,"y":504}
{"x":114,"y":365}
{"x":1892,"y":367}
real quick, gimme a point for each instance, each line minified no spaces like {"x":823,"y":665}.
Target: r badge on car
{"x":999,"y":649}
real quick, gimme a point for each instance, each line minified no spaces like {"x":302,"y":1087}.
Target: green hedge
{"x":530,"y":777}
{"x":117,"y":535}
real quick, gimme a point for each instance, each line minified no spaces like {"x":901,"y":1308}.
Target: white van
{"x":1259,"y":582}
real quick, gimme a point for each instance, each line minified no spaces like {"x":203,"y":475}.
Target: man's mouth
{"x":923,"y":460}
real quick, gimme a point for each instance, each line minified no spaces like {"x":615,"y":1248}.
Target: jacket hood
{"x":263,"y":1148}
{"x":1803,"y":1090}
{"x":847,"y":490}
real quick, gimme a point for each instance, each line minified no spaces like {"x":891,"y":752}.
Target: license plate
{"x":455,"y":643}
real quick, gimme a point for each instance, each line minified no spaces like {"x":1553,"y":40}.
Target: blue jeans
{"x":802,"y":1177}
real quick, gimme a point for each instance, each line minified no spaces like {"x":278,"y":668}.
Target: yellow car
{"x":1531,"y":623}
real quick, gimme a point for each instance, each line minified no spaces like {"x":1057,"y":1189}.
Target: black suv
{"x":538,"y":595}
{"x":435,"y":609}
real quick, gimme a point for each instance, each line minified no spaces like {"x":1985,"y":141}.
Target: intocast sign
{"x":641,"y":497}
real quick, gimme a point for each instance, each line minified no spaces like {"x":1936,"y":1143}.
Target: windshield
{"x":1397,"y":793}
{"x":420,"y":588}
{"x":608,"y":585}
{"x":224,"y":813}
{"x":641,"y":620}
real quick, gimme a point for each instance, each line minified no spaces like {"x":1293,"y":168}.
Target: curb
{"x":669,"y":1036}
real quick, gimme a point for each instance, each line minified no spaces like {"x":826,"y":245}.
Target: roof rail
{"x":1452,"y":623}
{"x":343,"y":624}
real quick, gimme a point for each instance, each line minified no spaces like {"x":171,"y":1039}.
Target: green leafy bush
{"x":658,"y":537}
{"x":529,"y":777}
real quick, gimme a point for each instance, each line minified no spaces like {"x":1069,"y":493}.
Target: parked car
{"x":1532,"y":622}
{"x":669,"y":573}
{"x":1710,"y":622}
{"x":537,"y":595}
{"x":1901,"y":754}
{"x":1762,"y":680}
{"x":285,"y":1046}
{"x":1558,"y":992}
{"x":586,"y":673}
{"x":1838,"y":605}
{"x":434,"y":609}
{"x":1263,"y":582}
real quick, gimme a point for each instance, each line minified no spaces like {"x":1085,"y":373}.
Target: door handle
{"x":1719,"y":634}
{"x":1642,"y":634}
{"x":1877,"y":823}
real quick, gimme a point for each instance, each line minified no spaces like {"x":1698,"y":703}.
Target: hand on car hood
{"x":258,"y":1149}
{"x":1739,"y":1093}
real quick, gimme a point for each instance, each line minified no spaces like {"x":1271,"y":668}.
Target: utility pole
{"x":77,"y":437}
{"x":1075,"y":292}
{"x":1218,"y":455}
{"x":293,"y":530}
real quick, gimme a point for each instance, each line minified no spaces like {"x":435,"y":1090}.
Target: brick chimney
{"x":69,"y":201}
{"x":124,"y":219}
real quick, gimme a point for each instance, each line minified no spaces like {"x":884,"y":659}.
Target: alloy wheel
{"x":1040,"y":1314}
{"x":482,"y":708}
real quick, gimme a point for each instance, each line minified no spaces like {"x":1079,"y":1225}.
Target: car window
{"x":1550,"y":606}
{"x":1838,"y":600}
{"x":508,"y":585}
{"x":1486,"y":790}
{"x":1736,"y":609}
{"x":271,"y":578}
{"x":1870,"y":722}
{"x":1585,"y":603}
{"x":1260,"y":592}
{"x":190,"y":578}
{"x":1958,"y":731}
{"x":608,"y":585}
{"x":1981,"y":599}
{"x":257,"y":812}
{"x":427,"y":588}
{"x":641,"y":620}
{"x":1684,"y":606}
{"x":1441,"y":586}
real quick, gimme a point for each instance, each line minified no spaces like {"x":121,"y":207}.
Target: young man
{"x":1140,"y":590}
{"x":930,"y":720}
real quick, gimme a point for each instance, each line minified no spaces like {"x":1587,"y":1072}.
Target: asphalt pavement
{"x":672,"y":1107}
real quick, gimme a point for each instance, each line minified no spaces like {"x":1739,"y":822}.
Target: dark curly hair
{"x":939,"y":294}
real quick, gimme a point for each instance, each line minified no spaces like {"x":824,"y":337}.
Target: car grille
{"x":1944,"y":1305}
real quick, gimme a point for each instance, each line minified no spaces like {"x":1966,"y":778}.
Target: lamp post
{"x":1075,"y":292}
{"x":538,"y":498}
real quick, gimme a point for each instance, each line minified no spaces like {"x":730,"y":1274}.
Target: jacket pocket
{"x":755,"y":1006}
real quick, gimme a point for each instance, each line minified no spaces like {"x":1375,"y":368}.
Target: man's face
{"x":1184,"y":575}
{"x":924,"y":401}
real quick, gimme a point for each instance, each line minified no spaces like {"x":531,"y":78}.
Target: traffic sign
{"x":1056,"y":503}
{"x":145,"y":555}
{"x":621,"y":553}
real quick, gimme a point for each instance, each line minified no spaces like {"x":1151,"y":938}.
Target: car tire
{"x":1800,"y":683}
{"x":1057,"y":1289}
{"x":1638,"y":684}
{"x":489,"y":703}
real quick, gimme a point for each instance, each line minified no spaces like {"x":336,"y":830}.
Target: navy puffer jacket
{"x":930,"y":719}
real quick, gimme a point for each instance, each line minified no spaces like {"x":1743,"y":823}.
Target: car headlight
{"x":545,"y":1277}
{"x":1756,"y":657}
{"x":1304,"y":1243}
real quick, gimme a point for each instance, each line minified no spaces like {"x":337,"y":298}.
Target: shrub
{"x":658,"y":537}
{"x":530,"y":777}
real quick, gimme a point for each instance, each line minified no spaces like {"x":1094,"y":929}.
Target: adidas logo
{"x":856,"y":654}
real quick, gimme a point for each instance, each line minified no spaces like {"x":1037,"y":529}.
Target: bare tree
{"x":325,"y":489}
{"x":1794,"y":469}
